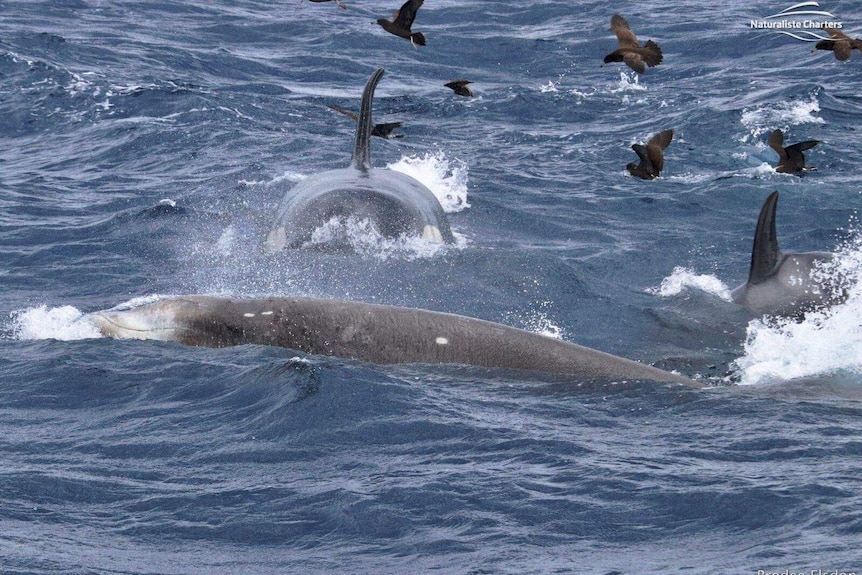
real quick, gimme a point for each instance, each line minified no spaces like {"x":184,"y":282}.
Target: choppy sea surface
{"x":145,"y":149}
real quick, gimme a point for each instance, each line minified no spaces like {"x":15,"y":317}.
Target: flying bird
{"x":790,"y":159}
{"x":841,"y":44}
{"x":401,"y":22}
{"x":460,"y":87}
{"x":635,"y":56}
{"x":379,"y":130}
{"x":651,"y":156}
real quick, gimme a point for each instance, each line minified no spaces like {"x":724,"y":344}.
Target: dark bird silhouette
{"x":790,"y":159}
{"x":651,"y":155}
{"x":337,"y":2}
{"x":635,"y":56}
{"x":379,"y":130}
{"x":401,"y":22}
{"x":460,"y":87}
{"x":841,"y":44}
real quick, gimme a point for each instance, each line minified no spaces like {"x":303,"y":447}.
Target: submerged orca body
{"x":784,"y":283}
{"x":366,"y":332}
{"x":396,"y":204}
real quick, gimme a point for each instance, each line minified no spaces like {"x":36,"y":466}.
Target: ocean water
{"x":145,"y":149}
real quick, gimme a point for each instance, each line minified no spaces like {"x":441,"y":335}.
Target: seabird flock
{"x":637,"y":57}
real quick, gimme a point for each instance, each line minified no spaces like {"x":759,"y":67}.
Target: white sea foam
{"x":783,"y":115}
{"x":682,"y":279}
{"x":541,"y":324}
{"x":691,"y":177}
{"x":551,"y":86}
{"x":364,"y":238}
{"x":822,"y":343}
{"x":763,"y":170}
{"x":536,"y":319}
{"x":447,"y":179}
{"x":628,"y":82}
{"x":63,"y":323}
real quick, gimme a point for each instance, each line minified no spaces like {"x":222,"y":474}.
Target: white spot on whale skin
{"x":441,"y":341}
{"x":248,"y":315}
{"x":266,"y":313}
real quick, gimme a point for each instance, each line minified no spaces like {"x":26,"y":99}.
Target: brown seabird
{"x":651,"y":155}
{"x":380,"y":130}
{"x":841,"y":44}
{"x":401,"y":22}
{"x":460,"y":87}
{"x":635,"y":56}
{"x":790,"y":159}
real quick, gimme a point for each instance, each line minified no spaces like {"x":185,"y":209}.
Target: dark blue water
{"x":145,"y":148}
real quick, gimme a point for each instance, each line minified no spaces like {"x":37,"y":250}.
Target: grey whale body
{"x":366,"y":332}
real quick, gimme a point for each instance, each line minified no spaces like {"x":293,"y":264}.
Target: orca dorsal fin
{"x":362,"y":146}
{"x":765,"y":253}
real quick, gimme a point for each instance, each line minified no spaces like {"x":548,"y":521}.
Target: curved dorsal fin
{"x":362,"y":146}
{"x":765,"y":253}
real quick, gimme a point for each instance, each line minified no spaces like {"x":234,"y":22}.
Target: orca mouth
{"x":122,"y":325}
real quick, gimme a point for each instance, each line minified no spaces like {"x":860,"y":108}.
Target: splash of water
{"x":551,"y":86}
{"x":781,"y":115}
{"x":536,"y":319}
{"x":821,"y":343}
{"x":65,"y":323}
{"x":447,"y":179}
{"x":540,"y":323}
{"x":362,"y":237}
{"x":628,"y":82}
{"x":682,"y":279}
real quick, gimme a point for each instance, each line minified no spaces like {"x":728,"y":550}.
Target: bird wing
{"x":405,"y":16}
{"x":651,"y":53}
{"x":634,"y":61}
{"x":776,"y":142}
{"x":662,"y":139}
{"x":347,"y":113}
{"x":457,"y":84}
{"x":837,"y":34}
{"x":643,"y":154}
{"x":624,"y":35}
{"x":654,"y":149}
{"x":842,"y":49}
{"x":802,"y":146}
{"x":795,"y":160}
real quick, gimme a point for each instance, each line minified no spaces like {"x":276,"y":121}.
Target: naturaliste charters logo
{"x":800,"y":21}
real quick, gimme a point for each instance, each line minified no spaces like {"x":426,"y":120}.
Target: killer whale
{"x":782,"y":283}
{"x":395,"y":203}
{"x":366,"y":332}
